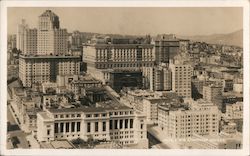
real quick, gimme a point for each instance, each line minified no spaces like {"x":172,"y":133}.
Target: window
{"x":88,"y":127}
{"x":116,"y":124}
{"x":103,"y":115}
{"x":78,"y":124}
{"x":78,"y":115}
{"x":103,"y":126}
{"x":121,"y":124}
{"x":56,"y":127}
{"x":61,"y":127}
{"x":73,"y":127}
{"x":96,"y":126}
{"x":110,"y":124}
{"x":96,"y":115}
{"x":67,"y":126}
{"x":126,"y":123}
{"x":48,"y":132}
{"x":141,"y":126}
{"x":131,"y":123}
{"x":88,"y":115}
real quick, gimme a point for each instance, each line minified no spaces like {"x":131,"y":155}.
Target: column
{"x":64,"y":127}
{"x":69,"y":127}
{"x":75,"y":126}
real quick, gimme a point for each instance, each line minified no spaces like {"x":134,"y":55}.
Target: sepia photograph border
{"x":159,"y":152}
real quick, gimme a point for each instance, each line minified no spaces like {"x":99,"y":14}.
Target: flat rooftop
{"x":90,"y":109}
{"x":49,"y":57}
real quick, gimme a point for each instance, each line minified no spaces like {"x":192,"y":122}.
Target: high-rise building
{"x":30,"y":41}
{"x":166,"y":47}
{"x":26,"y":39}
{"x":157,"y":78}
{"x":51,"y":38}
{"x":39,"y":69}
{"x":181,"y":78}
{"x":20,"y":34}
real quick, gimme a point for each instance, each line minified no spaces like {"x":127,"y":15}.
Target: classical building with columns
{"x":120,"y":124}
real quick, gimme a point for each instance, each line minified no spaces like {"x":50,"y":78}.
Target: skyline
{"x":149,"y":20}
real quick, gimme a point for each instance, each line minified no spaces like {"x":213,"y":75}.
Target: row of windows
{"x":67,"y":115}
{"x":65,"y":127}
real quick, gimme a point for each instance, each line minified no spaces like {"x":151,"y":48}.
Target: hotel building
{"x":202,"y":118}
{"x":103,"y":58}
{"x":39,"y":69}
{"x":51,"y":38}
{"x":119,"y":124}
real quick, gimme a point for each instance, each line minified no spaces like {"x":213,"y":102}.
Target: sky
{"x":136,"y":20}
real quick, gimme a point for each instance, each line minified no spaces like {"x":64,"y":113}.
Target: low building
{"x":120,"y":124}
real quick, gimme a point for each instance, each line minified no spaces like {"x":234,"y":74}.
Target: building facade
{"x":30,"y":41}
{"x":121,"y":125}
{"x":234,"y":111}
{"x":51,"y":38}
{"x":39,"y":69}
{"x":202,"y":118}
{"x":213,"y":93}
{"x":166,"y":47}
{"x":181,"y":79}
{"x":20,"y":34}
{"x":118,"y":56}
{"x":157,"y":78}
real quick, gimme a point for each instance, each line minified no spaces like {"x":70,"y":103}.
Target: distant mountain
{"x":234,"y":38}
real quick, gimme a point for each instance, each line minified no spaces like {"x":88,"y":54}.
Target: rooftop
{"x":90,"y":109}
{"x":49,"y":57}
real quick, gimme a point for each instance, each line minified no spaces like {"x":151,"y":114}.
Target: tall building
{"x":39,"y":69}
{"x":157,"y":78}
{"x":51,"y":38}
{"x":201,"y":118}
{"x":21,"y":28}
{"x":26,"y":39}
{"x":166,"y":47}
{"x":30,"y":41}
{"x":120,"y":124}
{"x":181,"y":78}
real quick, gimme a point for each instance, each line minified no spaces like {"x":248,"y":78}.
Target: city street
{"x":14,"y":131}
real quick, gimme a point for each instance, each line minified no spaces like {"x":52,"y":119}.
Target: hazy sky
{"x":136,"y":21}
